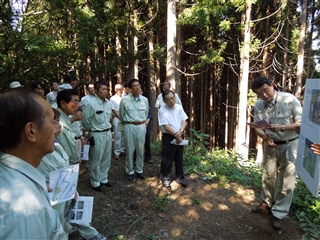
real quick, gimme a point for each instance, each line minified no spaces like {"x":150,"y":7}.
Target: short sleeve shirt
{"x":171,"y":116}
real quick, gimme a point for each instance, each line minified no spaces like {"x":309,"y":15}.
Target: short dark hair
{"x":259,"y":82}
{"x":69,"y":78}
{"x":56,"y":113}
{"x":132,"y":81}
{"x":167,"y":92}
{"x":51,"y":83}
{"x":126,"y":84}
{"x":34,"y":85}
{"x":66,"y":95}
{"x":18,"y":106}
{"x":99,"y":83}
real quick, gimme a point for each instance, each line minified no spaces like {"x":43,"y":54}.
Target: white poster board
{"x":81,"y":212}
{"x":308,"y":163}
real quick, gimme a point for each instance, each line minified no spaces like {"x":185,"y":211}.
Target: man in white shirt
{"x":159,"y":102}
{"x":172,"y":121}
{"x":118,"y":135}
{"x":52,"y":96}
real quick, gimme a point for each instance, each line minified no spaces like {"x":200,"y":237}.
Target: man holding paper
{"x":172,"y":121}
{"x":283,"y":111}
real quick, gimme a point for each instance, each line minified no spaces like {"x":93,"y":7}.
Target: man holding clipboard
{"x":283,"y":112}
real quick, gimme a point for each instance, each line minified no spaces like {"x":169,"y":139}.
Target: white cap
{"x":64,"y":86}
{"x":15,"y":85}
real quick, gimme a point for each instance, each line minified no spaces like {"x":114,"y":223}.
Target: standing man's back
{"x":26,"y":119}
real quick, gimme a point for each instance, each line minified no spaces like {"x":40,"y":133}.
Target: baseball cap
{"x":15,"y":84}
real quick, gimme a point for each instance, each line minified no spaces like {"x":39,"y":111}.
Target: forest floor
{"x":143,"y":209}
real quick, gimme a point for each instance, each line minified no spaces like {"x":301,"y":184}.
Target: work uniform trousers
{"x":170,"y":153}
{"x":147,"y":143}
{"x":101,"y":157}
{"x":279,"y":166}
{"x":78,"y":147}
{"x":134,"y":138}
{"x":118,"y":138}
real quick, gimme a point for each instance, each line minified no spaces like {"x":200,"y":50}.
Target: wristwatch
{"x":282,"y":128}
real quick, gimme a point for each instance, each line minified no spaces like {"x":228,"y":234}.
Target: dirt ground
{"x":142,"y":209}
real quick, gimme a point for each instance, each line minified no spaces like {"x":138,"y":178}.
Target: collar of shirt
{"x":23,"y":167}
{"x":135,"y":98}
{"x":101,"y":101}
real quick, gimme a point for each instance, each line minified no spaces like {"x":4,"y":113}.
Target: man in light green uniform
{"x":68,"y":104}
{"x":134,"y":112}
{"x":96,"y":119}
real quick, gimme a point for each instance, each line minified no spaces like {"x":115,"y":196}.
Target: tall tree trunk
{"x":151,"y":84}
{"x":241,"y":140}
{"x":119,"y":60}
{"x":309,"y":43}
{"x":133,"y":48}
{"x":302,"y":38}
{"x":171,"y":43}
{"x":286,"y":47}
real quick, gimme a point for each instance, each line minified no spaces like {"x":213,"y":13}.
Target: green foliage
{"x":161,"y":203}
{"x":307,"y":210}
{"x":252,"y":98}
{"x":197,"y":201}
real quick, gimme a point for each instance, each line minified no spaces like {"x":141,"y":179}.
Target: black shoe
{"x":276,"y":223}
{"x":98,"y":189}
{"x":141,"y":176}
{"x":167,"y":186}
{"x":130,"y":177}
{"x":183,"y":183}
{"x":108,"y":184}
{"x":149,"y":161}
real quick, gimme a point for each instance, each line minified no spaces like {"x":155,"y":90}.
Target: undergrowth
{"x":223,"y":165}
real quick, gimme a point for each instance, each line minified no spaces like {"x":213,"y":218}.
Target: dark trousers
{"x":170,"y":153}
{"x":147,"y":143}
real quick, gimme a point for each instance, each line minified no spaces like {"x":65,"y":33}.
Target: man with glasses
{"x":283,"y":111}
{"x":96,"y":119}
{"x":133,"y":113}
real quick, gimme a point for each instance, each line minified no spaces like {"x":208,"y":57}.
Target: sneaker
{"x":130,"y":177}
{"x":99,"y":236}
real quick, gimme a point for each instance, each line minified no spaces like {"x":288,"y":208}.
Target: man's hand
{"x":76,"y":117}
{"x":269,"y":141}
{"x":316,"y":148}
{"x":275,"y":128}
{"x":49,"y":188}
{"x":297,"y":129}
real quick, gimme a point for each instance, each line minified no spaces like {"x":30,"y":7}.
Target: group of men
{"x":30,"y":137}
{"x":31,"y":126}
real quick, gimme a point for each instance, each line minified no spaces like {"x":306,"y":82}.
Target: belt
{"x":135,"y":123}
{"x":105,"y":130}
{"x":77,"y":137}
{"x":285,"y":142}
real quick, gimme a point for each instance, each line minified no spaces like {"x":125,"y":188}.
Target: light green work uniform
{"x":133,"y":110}
{"x":54,"y":161}
{"x":96,"y":119}
{"x":66,"y":138}
{"x":279,"y":161}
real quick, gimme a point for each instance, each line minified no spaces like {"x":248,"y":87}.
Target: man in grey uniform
{"x":133,"y":113}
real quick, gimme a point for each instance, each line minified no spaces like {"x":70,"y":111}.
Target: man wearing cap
{"x":118,"y":135}
{"x":133,"y":113}
{"x":96,"y":119}
{"x":15,"y":84}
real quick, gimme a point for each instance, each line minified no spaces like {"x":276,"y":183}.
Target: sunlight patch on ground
{"x":223,"y":207}
{"x":207,"y":206}
{"x":193,"y":214}
{"x":176,"y":231}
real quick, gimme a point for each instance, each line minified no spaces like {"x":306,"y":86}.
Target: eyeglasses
{"x":76,"y":101}
{"x":263,"y":91}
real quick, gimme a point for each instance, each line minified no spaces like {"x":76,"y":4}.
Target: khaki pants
{"x":279,"y":176}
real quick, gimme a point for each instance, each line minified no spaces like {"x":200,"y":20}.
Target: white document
{"x":64,"y":184}
{"x":184,"y":142}
{"x":308,"y":163}
{"x":85,"y":152}
{"x":81,"y":212}
{"x":260,"y":124}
